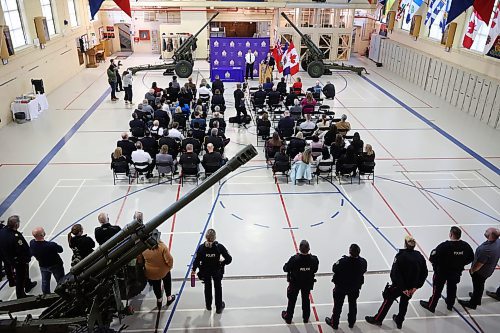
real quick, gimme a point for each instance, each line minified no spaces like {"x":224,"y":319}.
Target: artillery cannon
{"x":314,"y":62}
{"x":90,"y":296}
{"x":182,"y":60}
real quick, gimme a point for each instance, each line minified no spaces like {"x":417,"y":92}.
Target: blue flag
{"x":94,"y":6}
{"x":458,"y":7}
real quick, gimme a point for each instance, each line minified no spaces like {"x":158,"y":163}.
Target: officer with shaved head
{"x":105,"y":231}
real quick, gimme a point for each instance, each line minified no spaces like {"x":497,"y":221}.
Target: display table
{"x":228,"y":74}
{"x":30,"y":107}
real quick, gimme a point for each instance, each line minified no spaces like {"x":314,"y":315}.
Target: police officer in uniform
{"x":106,"y":230}
{"x":300,"y":269}
{"x":16,"y":253}
{"x":408,"y":274}
{"x":448,"y":260}
{"x":208,"y":260}
{"x":348,"y":276}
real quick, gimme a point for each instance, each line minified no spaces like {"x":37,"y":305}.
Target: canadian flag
{"x":494,"y":29}
{"x":472,"y":30}
{"x":291,"y":60}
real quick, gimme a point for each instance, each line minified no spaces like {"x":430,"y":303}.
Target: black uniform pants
{"x":438,"y":282}
{"x":119,"y":84}
{"x":217,"y":282}
{"x":128,"y":93}
{"x":390,"y":296}
{"x":338,"y":301}
{"x":477,"y":288}
{"x":249,"y":70}
{"x":292,"y":293}
{"x":239,"y":111}
{"x":22,"y":279}
{"x":167,"y":285}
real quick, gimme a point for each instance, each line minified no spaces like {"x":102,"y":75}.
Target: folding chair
{"x":165,"y":170}
{"x":140,"y":170}
{"x":367,"y":169}
{"x":120,"y":170}
{"x":283,"y":168}
{"x":346,"y":171}
{"x":328,"y":172}
{"x":189,"y":171}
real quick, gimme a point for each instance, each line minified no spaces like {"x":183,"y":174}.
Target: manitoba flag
{"x":291,"y":61}
{"x":278,"y":56}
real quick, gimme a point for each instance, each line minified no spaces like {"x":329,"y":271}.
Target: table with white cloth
{"x":30,"y":106}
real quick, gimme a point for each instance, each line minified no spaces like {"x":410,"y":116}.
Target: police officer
{"x":16,"y":253}
{"x":300,"y":269}
{"x":408,"y":274}
{"x":448,"y":261}
{"x":348,"y":276}
{"x":106,"y":230}
{"x":208,"y":260}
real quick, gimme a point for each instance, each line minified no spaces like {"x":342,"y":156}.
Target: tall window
{"x":73,"y":19}
{"x":14,"y":22}
{"x":435,"y":31}
{"x":48,"y":14}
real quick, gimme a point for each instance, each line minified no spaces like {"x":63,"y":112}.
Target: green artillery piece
{"x":182,"y":60}
{"x":314,"y":62}
{"x":89,"y":297}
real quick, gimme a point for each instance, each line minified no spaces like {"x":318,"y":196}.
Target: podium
{"x":265,"y":71}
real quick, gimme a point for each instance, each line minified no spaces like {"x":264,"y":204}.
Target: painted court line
{"x":14,"y":195}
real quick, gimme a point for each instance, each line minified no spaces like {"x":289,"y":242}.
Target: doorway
{"x":124,"y":35}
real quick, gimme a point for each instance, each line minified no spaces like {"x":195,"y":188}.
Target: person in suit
{"x":149,"y":144}
{"x":212,"y":160}
{"x":218,"y":85}
{"x":164,"y":157}
{"x":273,"y":97}
{"x":297,"y":145}
{"x":197,"y":119}
{"x":268,"y":85}
{"x":259,"y":97}
{"x":329,"y":90}
{"x":189,"y":159}
{"x":136,"y":122}
{"x":171,"y":143}
{"x":105,"y":230}
{"x":215,"y":140}
{"x":126,"y":145}
{"x":190,"y":140}
{"x":239,"y":104}
{"x":281,"y":86}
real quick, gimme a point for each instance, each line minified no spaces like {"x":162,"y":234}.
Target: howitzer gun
{"x":182,"y":60}
{"x":314,"y":62}
{"x":90,"y":296}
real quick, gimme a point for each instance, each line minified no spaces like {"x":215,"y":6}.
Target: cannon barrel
{"x":188,"y":43}
{"x":313,"y":48}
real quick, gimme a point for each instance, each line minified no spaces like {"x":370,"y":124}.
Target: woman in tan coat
{"x":158,"y":263}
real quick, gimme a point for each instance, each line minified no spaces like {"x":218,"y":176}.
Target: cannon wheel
{"x":315,"y":69}
{"x":304,"y":63}
{"x":183,"y":69}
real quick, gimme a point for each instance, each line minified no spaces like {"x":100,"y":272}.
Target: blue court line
{"x":341,"y":202}
{"x":276,"y":193}
{"x":14,"y":195}
{"x":335,"y":215}
{"x":316,"y":224}
{"x":290,"y":228}
{"x":222,"y":204}
{"x":468,"y":150}
{"x":239,"y":218}
{"x":442,"y":196}
{"x":261,"y":225}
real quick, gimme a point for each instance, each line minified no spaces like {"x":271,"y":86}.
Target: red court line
{"x":174,"y":219}
{"x":315,"y":312}
{"x":123,"y":205}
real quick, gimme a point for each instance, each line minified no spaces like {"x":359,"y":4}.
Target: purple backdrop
{"x":229,"y":52}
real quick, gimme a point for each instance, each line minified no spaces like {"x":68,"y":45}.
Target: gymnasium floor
{"x":435,"y":168}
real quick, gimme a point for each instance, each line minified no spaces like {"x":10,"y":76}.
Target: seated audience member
{"x":148,"y":109}
{"x":308,"y":124}
{"x":119,"y":161}
{"x":343,"y":126}
{"x":163,"y":115}
{"x":281,"y":87}
{"x":220,"y":133}
{"x":172,"y":93}
{"x":175,"y":84}
{"x":175,"y":133}
{"x":192,"y":141}
{"x":297,"y":86}
{"x":259,"y":97}
{"x":308,"y":104}
{"x":286,"y":125}
{"x":126,"y":145}
{"x":150,"y":97}
{"x":273,"y":145}
{"x":204,"y":93}
{"x":189,"y":161}
{"x":164,"y":157}
{"x":316,"y":146}
{"x":149,"y":144}
{"x":348,"y":158}
{"x":329,"y":90}
{"x":301,"y":167}
{"x":136,"y":122}
{"x":338,"y":147}
{"x":158,"y":104}
{"x":212,"y":160}
{"x":218,"y":85}
{"x":217,"y":117}
{"x":218,"y":100}
{"x":197,"y":119}
{"x":330,"y":135}
{"x":273,"y":97}
{"x":323,"y":123}
{"x":296,"y":110}
{"x":281,"y":161}
{"x":192,"y":86}
{"x":140,"y":156}
{"x":325,"y":157}
{"x":368,"y":156}
{"x":184,"y":97}
{"x":268,"y":85}
{"x":155,"y":130}
{"x":215,"y":140}
{"x":171,"y":143}
{"x":297,"y":145}
{"x":82,"y":245}
{"x":157,"y":91}
{"x":290,"y":99}
{"x":357,"y":143}
{"x":316,"y":90}
{"x":198,"y":133}
{"x":264,"y":125}
{"x":179,"y":118}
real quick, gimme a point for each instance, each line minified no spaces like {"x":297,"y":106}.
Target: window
{"x":435,"y":31}
{"x":404,"y":25}
{"x":73,"y":18}
{"x":14,"y":22}
{"x":48,"y":14}
{"x":482,"y":34}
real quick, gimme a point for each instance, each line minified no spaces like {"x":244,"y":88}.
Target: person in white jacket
{"x":127,"y":86}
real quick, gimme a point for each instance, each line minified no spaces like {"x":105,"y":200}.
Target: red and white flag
{"x":291,"y":61}
{"x":472,"y":30}
{"x":494,"y":29}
